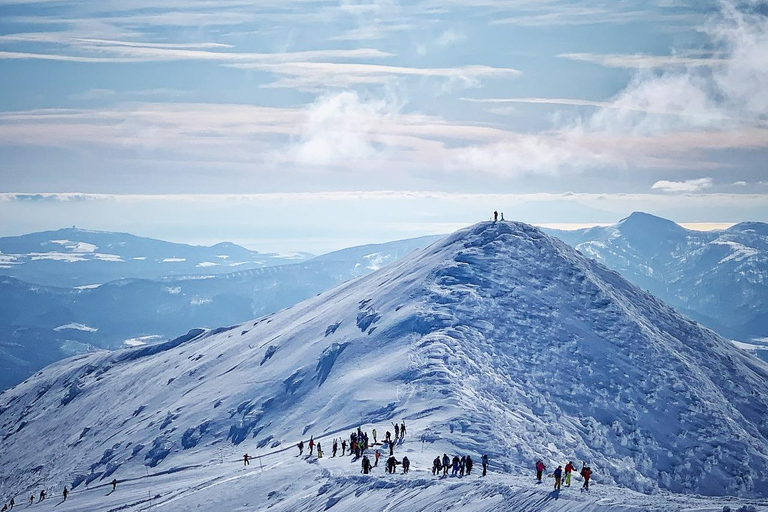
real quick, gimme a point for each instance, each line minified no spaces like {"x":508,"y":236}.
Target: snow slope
{"x":33,"y":317}
{"x":498,"y":339}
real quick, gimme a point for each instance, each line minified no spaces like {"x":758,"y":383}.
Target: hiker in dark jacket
{"x":436,"y":467}
{"x":406,"y":464}
{"x":558,"y":474}
{"x":446,"y":464}
{"x":469,"y":464}
{"x":485,"y":464}
{"x":366,"y":465}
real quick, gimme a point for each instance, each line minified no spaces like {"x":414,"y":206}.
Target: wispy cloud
{"x":696,"y":185}
{"x":313,"y":76}
{"x":643,"y":61}
{"x":151,"y":52}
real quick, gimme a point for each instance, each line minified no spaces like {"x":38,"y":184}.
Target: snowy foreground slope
{"x":497,"y":339}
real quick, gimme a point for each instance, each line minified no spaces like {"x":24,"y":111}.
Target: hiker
{"x":558,"y":475}
{"x":300,"y":446}
{"x":42,"y":496}
{"x":391,"y":464}
{"x":540,"y":467}
{"x":495,"y":216}
{"x":568,"y":469}
{"x":397,"y":431}
{"x":388,"y":436}
{"x":391,"y":448}
{"x":246,"y":460}
{"x":469,"y":464}
{"x":462,"y":465}
{"x":406,"y":464}
{"x":455,"y":465}
{"x":586,"y":472}
{"x":31,"y":499}
{"x":114,"y":484}
{"x":376,"y":455}
{"x":11,"y":504}
{"x":374,"y":436}
{"x":5,"y":508}
{"x":446,"y":464}
{"x":502,"y":216}
{"x":436,"y":466}
{"x":335,"y":447}
{"x":363,"y":445}
{"x":366,"y":465}
{"x":65,"y":493}
{"x":343,"y":447}
{"x":402,"y":429}
{"x":484,"y":459}
{"x":319,"y":451}
{"x":311,"y":444}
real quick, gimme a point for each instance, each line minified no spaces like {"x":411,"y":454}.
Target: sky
{"x":310,"y":125}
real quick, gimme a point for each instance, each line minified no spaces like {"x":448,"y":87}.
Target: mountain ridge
{"x":496,"y":338}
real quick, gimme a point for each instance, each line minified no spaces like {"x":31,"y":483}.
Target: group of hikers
{"x":557,"y":474}
{"x":458,"y":466}
{"x":41,"y":497}
{"x":359,"y":441}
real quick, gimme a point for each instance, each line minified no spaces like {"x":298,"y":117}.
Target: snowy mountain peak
{"x":497,"y":339}
{"x":644,"y":223}
{"x":757,"y":228}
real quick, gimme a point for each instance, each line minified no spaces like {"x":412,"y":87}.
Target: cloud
{"x":696,"y":185}
{"x":643,"y":61}
{"x":687,"y":104}
{"x":314,"y":76}
{"x":151,"y":52}
{"x":339,"y":129}
{"x":450,"y":37}
{"x":739,"y":183}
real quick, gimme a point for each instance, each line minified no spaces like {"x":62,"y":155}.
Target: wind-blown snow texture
{"x":498,"y":339}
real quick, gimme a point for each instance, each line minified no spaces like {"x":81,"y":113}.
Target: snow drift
{"x":497,"y":339}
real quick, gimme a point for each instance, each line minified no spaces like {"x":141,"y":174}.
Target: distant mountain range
{"x":78,"y":257}
{"x":41,"y":324}
{"x":719,"y":278}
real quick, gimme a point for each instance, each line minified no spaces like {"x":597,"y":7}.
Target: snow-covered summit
{"x":498,"y":339}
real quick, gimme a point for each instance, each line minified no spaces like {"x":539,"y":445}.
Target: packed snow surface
{"x":497,"y":339}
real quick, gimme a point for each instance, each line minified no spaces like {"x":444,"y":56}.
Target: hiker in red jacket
{"x":568,"y":470}
{"x":540,"y":467}
{"x":586,"y":472}
{"x":311,"y":444}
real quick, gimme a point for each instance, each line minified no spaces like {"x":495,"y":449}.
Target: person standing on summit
{"x":311,"y":444}
{"x":495,"y":216}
